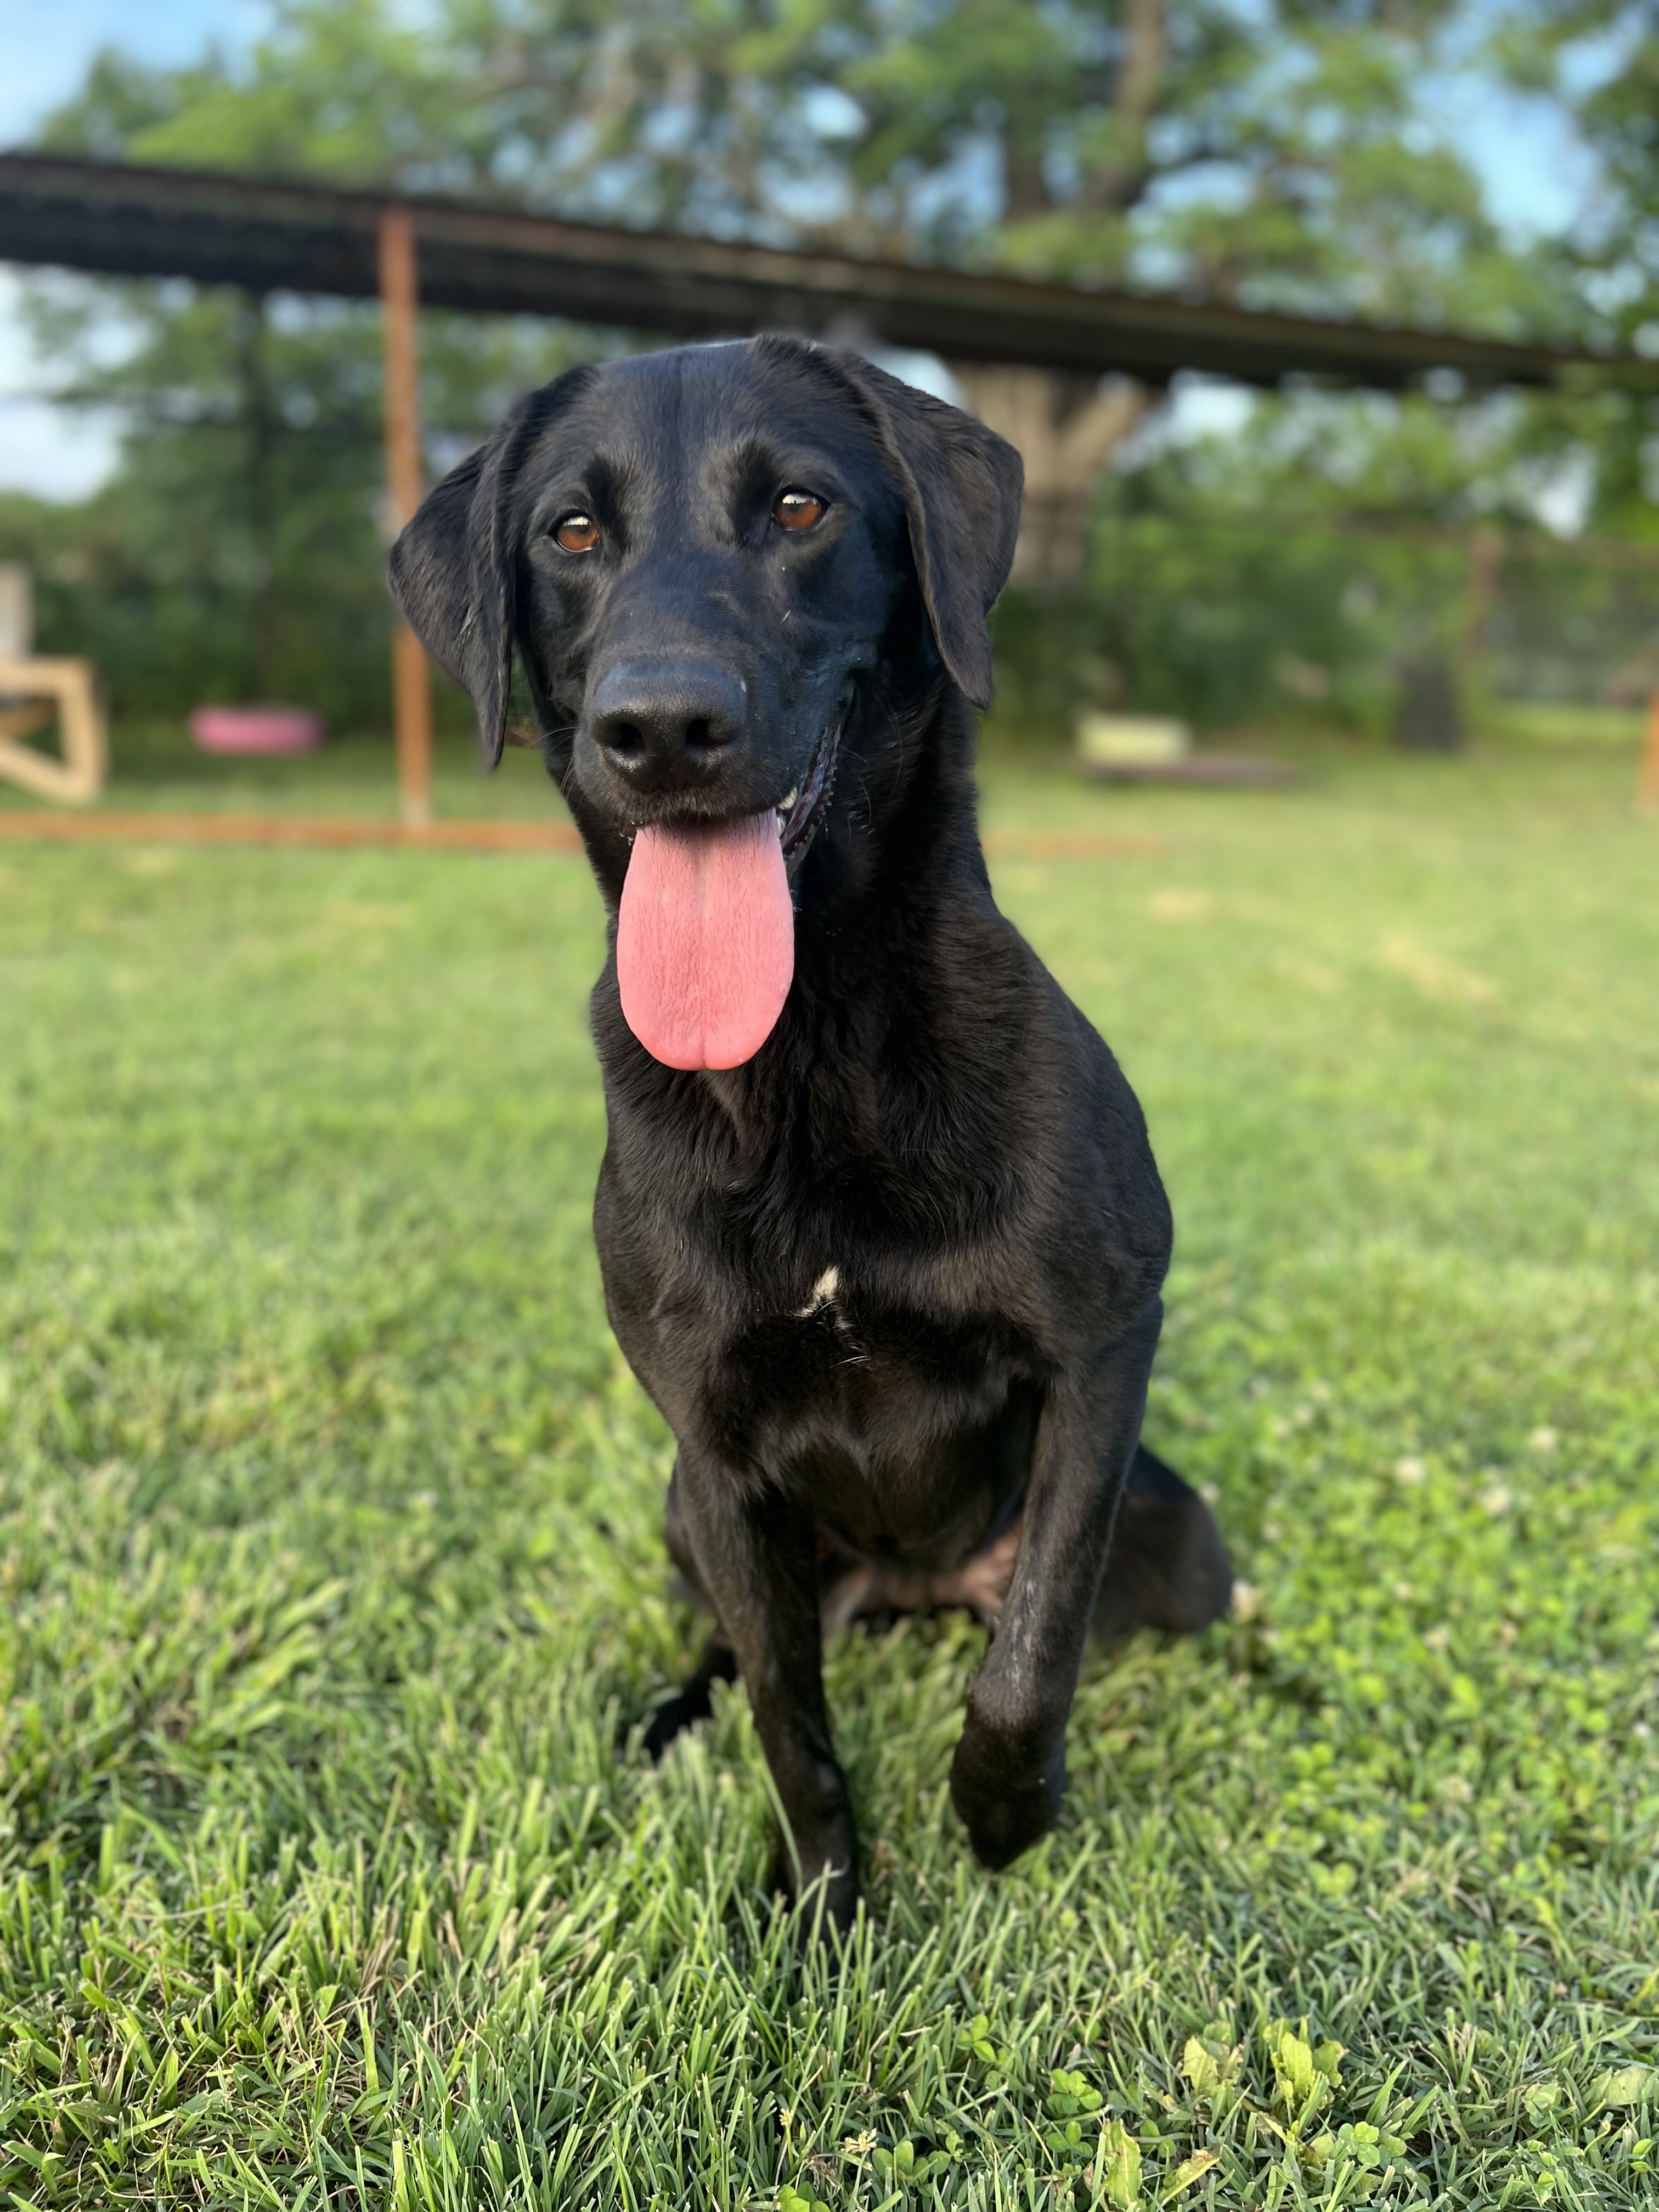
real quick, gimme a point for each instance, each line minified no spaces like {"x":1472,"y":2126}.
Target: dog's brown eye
{"x":798,"y":510}
{"x":578,"y":533}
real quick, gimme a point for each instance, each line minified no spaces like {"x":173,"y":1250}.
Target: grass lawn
{"x":331,"y":1590}
{"x":157,"y":767}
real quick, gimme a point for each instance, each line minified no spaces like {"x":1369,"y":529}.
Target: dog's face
{"x":711,"y":553}
{"x":704,"y":559}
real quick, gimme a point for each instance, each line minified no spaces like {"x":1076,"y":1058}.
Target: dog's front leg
{"x":756,"y":1556}
{"x":1008,"y":1777}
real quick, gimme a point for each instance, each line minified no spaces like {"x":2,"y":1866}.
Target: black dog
{"x":880,"y":1229}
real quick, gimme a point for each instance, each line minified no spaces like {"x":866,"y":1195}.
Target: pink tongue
{"x":705,"y":942}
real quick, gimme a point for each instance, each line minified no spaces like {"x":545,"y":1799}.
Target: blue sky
{"x":46,"y":45}
{"x":1533,"y":173}
{"x":44,"y":48}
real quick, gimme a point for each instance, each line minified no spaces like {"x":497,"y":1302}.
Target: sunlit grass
{"x":330,"y":1586}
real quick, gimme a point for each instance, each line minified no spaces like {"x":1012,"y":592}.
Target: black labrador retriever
{"x":880,"y":1229}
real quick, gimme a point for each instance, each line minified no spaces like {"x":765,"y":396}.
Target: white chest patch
{"x":823,"y":1294}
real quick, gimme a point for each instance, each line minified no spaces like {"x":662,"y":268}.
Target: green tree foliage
{"x":1272,"y":155}
{"x":342,"y":90}
{"x":1598,"y":61}
{"x":1297,"y":566}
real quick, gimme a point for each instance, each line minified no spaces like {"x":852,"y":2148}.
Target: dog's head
{"x":705,"y":559}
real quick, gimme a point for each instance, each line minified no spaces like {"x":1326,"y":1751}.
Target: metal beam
{"x":265,"y":236}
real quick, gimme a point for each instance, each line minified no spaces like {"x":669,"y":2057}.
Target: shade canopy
{"x":266,"y":235}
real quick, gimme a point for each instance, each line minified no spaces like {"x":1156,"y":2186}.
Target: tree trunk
{"x":1065,"y":429}
{"x":1142,"y":60}
{"x":1428,"y":715}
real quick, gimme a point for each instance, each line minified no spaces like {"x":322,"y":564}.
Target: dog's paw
{"x":822,"y":1884}
{"x":1005,"y":1812}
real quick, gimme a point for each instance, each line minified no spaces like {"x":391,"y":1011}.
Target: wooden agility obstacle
{"x":49,"y":688}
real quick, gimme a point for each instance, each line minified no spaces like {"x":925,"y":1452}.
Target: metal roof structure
{"x":267,"y":236}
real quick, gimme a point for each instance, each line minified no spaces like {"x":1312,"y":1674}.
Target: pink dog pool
{"x":256,"y":729}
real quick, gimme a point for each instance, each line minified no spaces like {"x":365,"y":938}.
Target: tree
{"x":1597,"y":62}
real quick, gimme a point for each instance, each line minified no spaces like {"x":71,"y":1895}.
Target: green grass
{"x":330,"y":1586}
{"x":1541,"y":722}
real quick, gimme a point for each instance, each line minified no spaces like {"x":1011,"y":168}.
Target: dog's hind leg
{"x":691,"y":1701}
{"x":1167,"y":1567}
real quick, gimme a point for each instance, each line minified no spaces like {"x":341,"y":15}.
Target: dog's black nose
{"x":664,"y":721}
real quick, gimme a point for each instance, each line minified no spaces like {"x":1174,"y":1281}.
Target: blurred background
{"x":194,"y":478}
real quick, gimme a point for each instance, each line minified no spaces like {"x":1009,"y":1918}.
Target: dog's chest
{"x":904,"y":1432}
{"x":874,"y":1375}
{"x":823,"y":1311}
{"x":822,"y":1301}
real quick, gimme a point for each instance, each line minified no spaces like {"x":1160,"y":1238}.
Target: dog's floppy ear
{"x":962,"y":487}
{"x":452,"y":570}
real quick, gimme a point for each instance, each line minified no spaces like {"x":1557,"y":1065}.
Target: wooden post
{"x":411,"y":680}
{"x":1647,"y":788}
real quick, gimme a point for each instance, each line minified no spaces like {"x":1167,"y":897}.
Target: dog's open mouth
{"x":803,"y":809}
{"x":706,"y":938}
